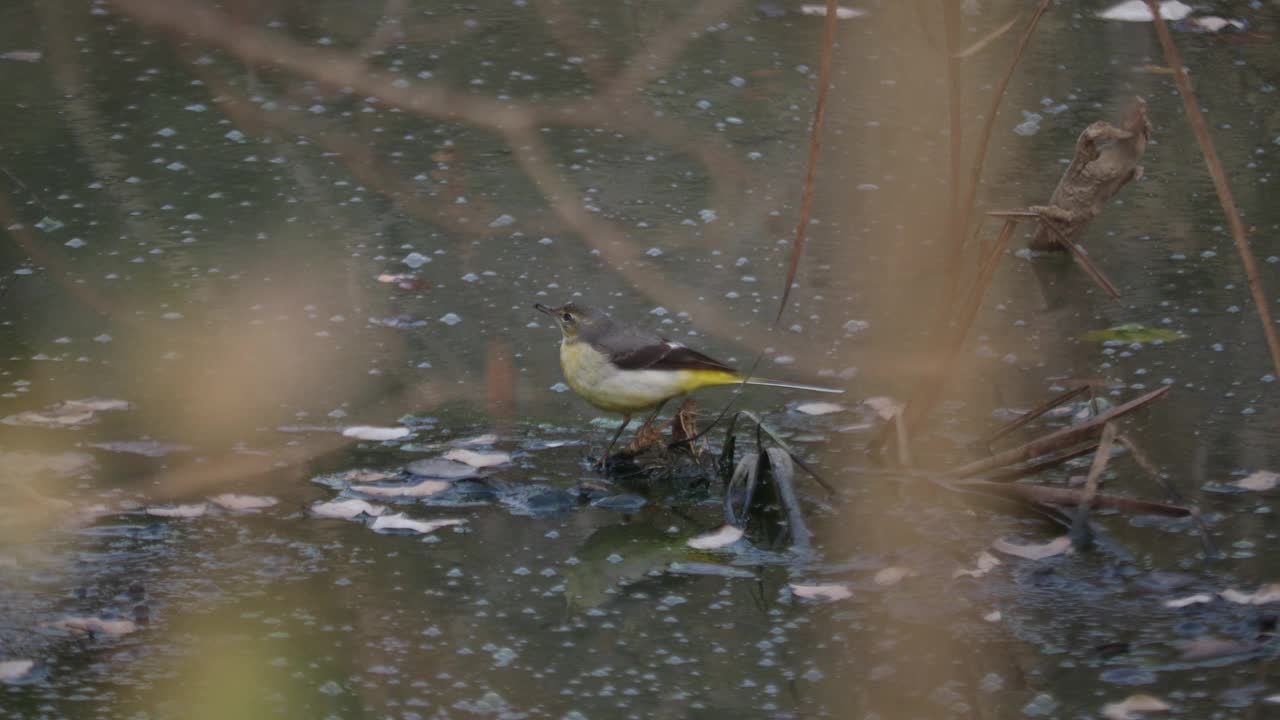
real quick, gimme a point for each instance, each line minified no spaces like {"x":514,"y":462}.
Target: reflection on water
{"x":218,"y":265}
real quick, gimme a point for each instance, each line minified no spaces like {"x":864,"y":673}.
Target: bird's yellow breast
{"x":591,"y":375}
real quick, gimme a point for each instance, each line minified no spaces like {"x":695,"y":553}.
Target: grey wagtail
{"x":623,"y":368}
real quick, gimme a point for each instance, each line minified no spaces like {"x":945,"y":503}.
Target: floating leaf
{"x":892,"y":576}
{"x":1197,"y":599}
{"x":370,"y":432}
{"x":346,"y":509}
{"x":424,"y":488}
{"x":1260,"y":481}
{"x":231,"y":501}
{"x":986,"y":562}
{"x":1134,"y":707}
{"x":192,"y":510}
{"x":715,"y":539}
{"x":819,"y":408}
{"x":478,"y":459}
{"x":404,"y":522}
{"x":821,"y":592}
{"x":1054,"y":547}
{"x":1134,"y":333}
{"x":476,"y":441}
{"x":1265,"y":594}
{"x":95,"y":625}
{"x":15,"y":670}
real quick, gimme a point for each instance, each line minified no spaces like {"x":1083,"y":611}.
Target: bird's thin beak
{"x":543,"y":308}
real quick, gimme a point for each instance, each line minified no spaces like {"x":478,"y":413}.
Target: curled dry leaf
{"x":719,"y":538}
{"x":821,"y":592}
{"x":1265,"y":594}
{"x":15,"y":670}
{"x":886,"y":407}
{"x":1197,"y":599}
{"x":346,"y":509}
{"x":369,"y":432}
{"x":986,"y":562}
{"x":1135,"y":706}
{"x":425,"y":488}
{"x":1260,"y":481}
{"x":231,"y":501}
{"x":893,"y":575}
{"x":95,"y":625}
{"x":478,"y":459}
{"x":193,"y":510}
{"x":819,"y":408}
{"x":404,"y":522}
{"x":1054,"y":547}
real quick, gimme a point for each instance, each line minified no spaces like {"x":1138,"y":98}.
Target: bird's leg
{"x":653,"y":415}
{"x":604,"y":459}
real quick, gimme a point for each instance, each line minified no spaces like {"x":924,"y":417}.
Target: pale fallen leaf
{"x":404,"y":522}
{"x":718,"y":538}
{"x":14,"y":670}
{"x":370,"y":432}
{"x":1265,"y":594}
{"x":231,"y":501}
{"x":819,"y":408}
{"x":476,"y":441}
{"x":1057,"y":546}
{"x":346,"y":509}
{"x":1261,"y":481}
{"x":1196,"y":599}
{"x":1208,"y":647}
{"x":478,"y":459}
{"x":95,"y":625}
{"x":884,"y":406}
{"x":1134,"y":707}
{"x":192,"y":510}
{"x":986,"y":563}
{"x":892,"y":576}
{"x":98,"y":404}
{"x":1137,"y":11}
{"x":67,"y":414}
{"x":421,"y":489}
{"x":821,"y":592}
{"x":441,"y":469}
{"x":842,"y":13}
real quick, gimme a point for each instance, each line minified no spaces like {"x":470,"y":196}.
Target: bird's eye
{"x":568,"y":318}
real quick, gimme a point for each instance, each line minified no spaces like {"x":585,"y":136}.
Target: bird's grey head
{"x":578,"y":321}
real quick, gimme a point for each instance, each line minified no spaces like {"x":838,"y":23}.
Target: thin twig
{"x":1080,"y":522}
{"x":987,"y":39}
{"x":1018,"y":472}
{"x":1220,"y":184}
{"x":955,"y":113}
{"x":815,"y":143}
{"x":1078,"y":253}
{"x":1066,"y":497}
{"x":1171,"y":492}
{"x":1031,"y":414}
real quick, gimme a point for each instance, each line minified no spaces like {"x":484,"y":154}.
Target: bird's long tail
{"x":793,"y":386}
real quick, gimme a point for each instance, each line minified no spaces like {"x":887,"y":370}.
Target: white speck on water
{"x":23,"y":271}
{"x":103,"y":338}
{"x":615,"y":558}
{"x":415,"y":260}
{"x":546,"y":241}
{"x":76,"y":243}
{"x":707,"y":215}
{"x":784,"y":359}
{"x":234,"y":136}
{"x":737,"y":81}
{"x":502,"y":221}
{"x":1233,"y":309}
{"x":1030,"y":125}
{"x":733,"y":120}
{"x":1208,"y":254}
{"x":703,"y":104}
{"x":856,"y":326}
{"x":560,"y":387}
{"x":867,"y":187}
{"x":503,"y":657}
{"x":659,"y":311}
{"x":450,"y":319}
{"x":653,"y":252}
{"x":166,"y":132}
{"x":172,"y":316}
{"x":470,"y":277}
{"x":175,"y":166}
{"x":196,"y":107}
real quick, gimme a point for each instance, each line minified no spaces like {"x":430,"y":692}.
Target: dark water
{"x":201,"y":239}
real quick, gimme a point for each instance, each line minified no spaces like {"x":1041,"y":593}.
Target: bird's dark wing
{"x":665,"y":355}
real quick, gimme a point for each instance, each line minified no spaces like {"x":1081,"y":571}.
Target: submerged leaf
{"x":148,"y":448}
{"x":401,"y":521}
{"x":986,"y":562}
{"x":1134,"y":333}
{"x":1209,"y":648}
{"x":1265,"y":594}
{"x":95,"y":625}
{"x":231,"y":501}
{"x":478,"y":459}
{"x":893,"y":576}
{"x":369,"y":432}
{"x":424,"y":488}
{"x":821,"y":592}
{"x":1054,"y":547}
{"x":441,"y":469}
{"x":1134,"y":707}
{"x":1260,"y":481}
{"x":715,"y":539}
{"x":192,"y":510}
{"x":15,"y":670}
{"x":346,"y":509}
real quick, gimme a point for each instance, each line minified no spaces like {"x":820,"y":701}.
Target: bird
{"x":623,"y":368}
